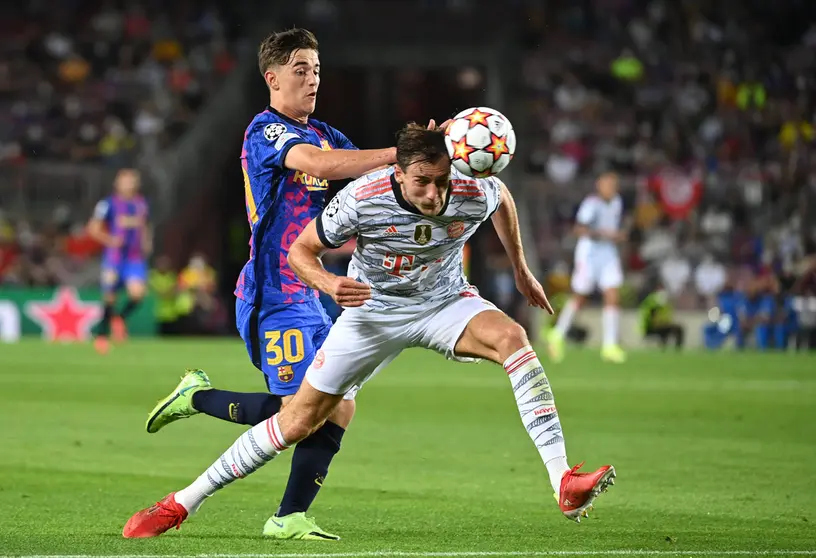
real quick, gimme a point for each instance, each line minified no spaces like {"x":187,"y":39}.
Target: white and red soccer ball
{"x":481,"y":142}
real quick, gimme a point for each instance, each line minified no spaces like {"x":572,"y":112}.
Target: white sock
{"x":536,"y":406}
{"x":611,"y":318}
{"x":251,"y":451}
{"x":556,"y":467}
{"x":565,"y":317}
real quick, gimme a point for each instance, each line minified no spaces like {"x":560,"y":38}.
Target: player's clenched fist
{"x":349,"y":293}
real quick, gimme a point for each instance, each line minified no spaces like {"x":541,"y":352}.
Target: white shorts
{"x":361,"y":340}
{"x":603,"y":273}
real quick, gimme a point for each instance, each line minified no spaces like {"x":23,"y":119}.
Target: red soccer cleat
{"x":579,"y":490}
{"x":101,"y":345}
{"x":155,"y":520}
{"x":118,"y":329}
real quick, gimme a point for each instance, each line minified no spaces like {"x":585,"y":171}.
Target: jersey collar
{"x":403,"y":203}
{"x":288,"y":120}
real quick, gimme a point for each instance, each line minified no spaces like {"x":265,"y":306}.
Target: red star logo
{"x":461,"y":150}
{"x":65,"y":317}
{"x":477,"y":117}
{"x":498,"y":147}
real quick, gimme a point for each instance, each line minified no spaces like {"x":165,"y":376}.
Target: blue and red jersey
{"x":125,"y":219}
{"x":280,"y":202}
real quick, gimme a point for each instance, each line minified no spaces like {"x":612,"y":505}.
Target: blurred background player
{"x":597,"y":265}
{"x":288,"y":160}
{"x":120,"y":223}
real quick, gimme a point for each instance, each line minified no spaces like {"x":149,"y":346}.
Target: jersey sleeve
{"x":492,"y":188}
{"x":338,"y":221}
{"x":103,"y":210}
{"x":587,"y":212}
{"x":341,"y":141}
{"x":268,"y":143}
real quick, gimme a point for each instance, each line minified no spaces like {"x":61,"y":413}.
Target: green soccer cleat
{"x":296,"y":526}
{"x":613,"y":353}
{"x":555,"y":345}
{"x":179,"y":404}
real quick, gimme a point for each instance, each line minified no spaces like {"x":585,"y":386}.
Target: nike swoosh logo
{"x":276,"y":523}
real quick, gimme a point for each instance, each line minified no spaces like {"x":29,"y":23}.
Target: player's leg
{"x":135,"y":279}
{"x":582,"y":283}
{"x":474,"y":328}
{"x":350,"y":354}
{"x":110,"y":280}
{"x":610,"y":281}
{"x":194,"y":394}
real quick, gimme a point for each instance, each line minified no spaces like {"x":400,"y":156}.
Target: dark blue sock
{"x":310,"y":465}
{"x":233,"y":406}
{"x":103,"y":329}
{"x":129,"y":307}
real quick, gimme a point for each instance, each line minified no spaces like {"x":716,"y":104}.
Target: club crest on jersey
{"x":422,"y":234}
{"x":456,"y":229}
{"x":274,"y":131}
{"x":285,"y":373}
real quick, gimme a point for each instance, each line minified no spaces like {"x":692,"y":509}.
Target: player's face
{"x":608,"y":185}
{"x":425,"y":185}
{"x":296,"y":83}
{"x":127,"y":183}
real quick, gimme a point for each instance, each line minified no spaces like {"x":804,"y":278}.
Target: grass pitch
{"x":715,"y":454}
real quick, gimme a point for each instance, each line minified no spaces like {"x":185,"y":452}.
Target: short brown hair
{"x":277,"y":48}
{"x":417,"y":144}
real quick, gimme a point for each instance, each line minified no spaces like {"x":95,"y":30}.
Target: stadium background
{"x":705,"y":108}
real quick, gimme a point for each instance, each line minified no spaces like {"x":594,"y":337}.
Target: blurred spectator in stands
{"x":756,"y":315}
{"x":172,"y":303}
{"x":709,"y":279}
{"x":657,"y":320}
{"x":199,"y":280}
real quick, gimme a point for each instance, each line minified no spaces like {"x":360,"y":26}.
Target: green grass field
{"x":715,"y":456}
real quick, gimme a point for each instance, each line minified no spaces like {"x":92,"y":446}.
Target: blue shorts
{"x":282,"y":340}
{"x":115,"y":276}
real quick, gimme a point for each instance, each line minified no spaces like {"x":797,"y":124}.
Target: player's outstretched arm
{"x":337,"y":164}
{"x":304,"y":259}
{"x":505,"y":221}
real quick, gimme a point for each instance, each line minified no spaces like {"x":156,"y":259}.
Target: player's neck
{"x":291,"y":114}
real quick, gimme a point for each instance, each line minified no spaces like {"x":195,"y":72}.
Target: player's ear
{"x":271,"y":79}
{"x":398,"y":174}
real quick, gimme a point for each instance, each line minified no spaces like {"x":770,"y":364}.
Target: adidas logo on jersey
{"x":392,"y":232}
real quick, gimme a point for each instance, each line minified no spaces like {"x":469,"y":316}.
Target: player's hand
{"x":444,"y":126}
{"x":115,"y":242}
{"x":349,"y":293}
{"x":532,"y":290}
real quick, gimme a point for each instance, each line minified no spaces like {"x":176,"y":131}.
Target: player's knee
{"x":300,"y":427}
{"x":511,"y":337}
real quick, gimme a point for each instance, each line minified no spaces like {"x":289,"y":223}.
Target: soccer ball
{"x":480,"y":142}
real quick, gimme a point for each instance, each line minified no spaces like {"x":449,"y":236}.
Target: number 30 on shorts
{"x":288,"y":346}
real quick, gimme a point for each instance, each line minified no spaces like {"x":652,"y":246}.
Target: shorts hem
{"x":449,"y":353}
{"x":323,"y":387}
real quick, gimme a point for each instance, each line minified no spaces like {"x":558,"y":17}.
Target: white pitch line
{"x":452,"y":554}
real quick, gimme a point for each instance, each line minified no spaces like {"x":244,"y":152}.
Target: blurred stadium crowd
{"x":705,"y":109}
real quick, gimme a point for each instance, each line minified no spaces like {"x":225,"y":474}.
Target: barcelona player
{"x":120,"y":223}
{"x":288,"y":159}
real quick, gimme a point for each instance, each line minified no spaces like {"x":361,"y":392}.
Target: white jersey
{"x":407,"y":258}
{"x":598,"y":215}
